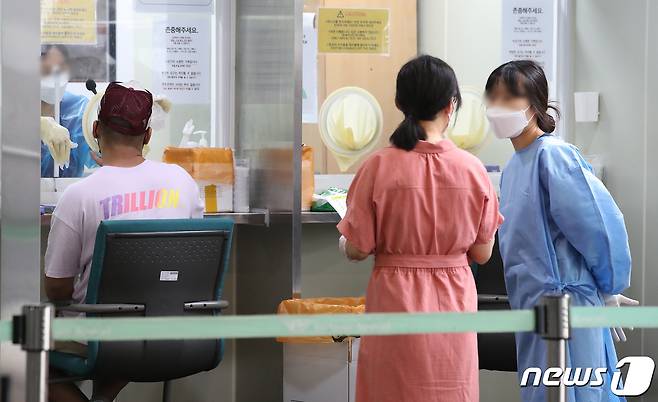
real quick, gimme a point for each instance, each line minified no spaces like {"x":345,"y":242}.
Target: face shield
{"x":161,"y":108}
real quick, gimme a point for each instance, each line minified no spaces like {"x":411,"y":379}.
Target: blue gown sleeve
{"x":72,"y":109}
{"x":587,"y":215}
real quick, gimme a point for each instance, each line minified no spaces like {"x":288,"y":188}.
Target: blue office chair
{"x":153,"y":268}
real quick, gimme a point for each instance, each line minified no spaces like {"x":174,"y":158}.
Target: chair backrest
{"x":490,"y":277}
{"x":496,"y":351}
{"x":161,"y":264}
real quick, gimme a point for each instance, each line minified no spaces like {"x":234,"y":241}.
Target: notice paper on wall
{"x":68,"y":22}
{"x":353,"y":30}
{"x":310,"y":71}
{"x":182,"y":52}
{"x":529,"y":32}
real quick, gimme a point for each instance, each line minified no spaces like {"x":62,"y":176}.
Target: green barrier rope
{"x":5,"y":330}
{"x":270,"y":326}
{"x":627,"y":317}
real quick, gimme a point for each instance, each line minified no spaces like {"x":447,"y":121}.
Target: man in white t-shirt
{"x":126,"y":187}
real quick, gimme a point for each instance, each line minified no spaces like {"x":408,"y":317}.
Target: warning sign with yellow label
{"x":71,"y":22}
{"x":351,"y":30}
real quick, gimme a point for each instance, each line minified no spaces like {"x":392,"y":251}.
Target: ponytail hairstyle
{"x":425,"y":86}
{"x":526,"y":79}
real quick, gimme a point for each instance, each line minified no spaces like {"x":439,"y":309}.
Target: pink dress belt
{"x":421,"y":261}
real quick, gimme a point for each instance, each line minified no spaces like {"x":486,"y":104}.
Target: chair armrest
{"x":206,"y":305}
{"x":500,"y":299}
{"x":59,"y":303}
{"x":102,"y":308}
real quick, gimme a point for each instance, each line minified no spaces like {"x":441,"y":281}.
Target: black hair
{"x":46,"y":48}
{"x":526,"y":79}
{"x":425,"y":86}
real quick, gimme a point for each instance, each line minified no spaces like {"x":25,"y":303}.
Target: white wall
{"x":467,"y":35}
{"x":615,"y":53}
{"x":649,"y":276}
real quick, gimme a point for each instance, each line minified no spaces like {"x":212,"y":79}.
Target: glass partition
{"x":174,"y":49}
{"x":19,"y":178}
{"x":361,"y":46}
{"x":473,"y":36}
{"x":180,"y":51}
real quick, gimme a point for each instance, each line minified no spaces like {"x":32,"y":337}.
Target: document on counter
{"x":339,"y":203}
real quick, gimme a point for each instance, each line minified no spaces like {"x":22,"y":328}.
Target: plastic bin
{"x":321,"y":305}
{"x":320,"y":368}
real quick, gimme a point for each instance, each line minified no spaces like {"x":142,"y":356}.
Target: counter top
{"x":250,"y":218}
{"x":241,"y":218}
{"x":320,"y":217}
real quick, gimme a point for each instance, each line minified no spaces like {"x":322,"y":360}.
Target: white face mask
{"x":53,"y":87}
{"x":507,"y":123}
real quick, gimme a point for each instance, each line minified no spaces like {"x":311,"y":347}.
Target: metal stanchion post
{"x":554,"y":326}
{"x":32,"y":331}
{"x":4,"y":389}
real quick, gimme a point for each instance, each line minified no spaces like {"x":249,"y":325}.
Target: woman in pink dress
{"x":423,"y":207}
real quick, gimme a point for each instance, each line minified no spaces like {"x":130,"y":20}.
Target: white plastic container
{"x":48,"y":193}
{"x":217,"y":194}
{"x":586,"y":107}
{"x":320,"y":372}
{"x":241,"y":189}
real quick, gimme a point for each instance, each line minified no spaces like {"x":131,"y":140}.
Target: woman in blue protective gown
{"x":55,"y":59}
{"x":563,"y":232}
